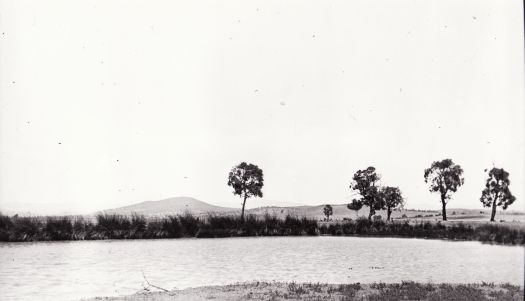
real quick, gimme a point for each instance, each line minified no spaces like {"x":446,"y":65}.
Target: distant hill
{"x":171,"y":206}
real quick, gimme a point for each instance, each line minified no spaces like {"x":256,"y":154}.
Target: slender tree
{"x":444,"y":177}
{"x":247,"y":181}
{"x":328,"y":210}
{"x":366,"y":183}
{"x":496,"y":192}
{"x":355,"y":205}
{"x":393,"y":199}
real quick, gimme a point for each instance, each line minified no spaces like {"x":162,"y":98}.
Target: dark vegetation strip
{"x":406,"y":290}
{"x":139,"y":227}
{"x":493,"y":233}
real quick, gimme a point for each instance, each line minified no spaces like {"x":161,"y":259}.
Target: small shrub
{"x":138,"y":224}
{"x":172,"y":226}
{"x":26,"y":229}
{"x":58,"y":228}
{"x":190,"y":224}
{"x":296,"y":289}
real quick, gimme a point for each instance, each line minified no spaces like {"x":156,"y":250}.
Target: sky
{"x":109,"y":103}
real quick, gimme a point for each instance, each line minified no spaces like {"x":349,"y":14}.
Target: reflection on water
{"x":74,"y":270}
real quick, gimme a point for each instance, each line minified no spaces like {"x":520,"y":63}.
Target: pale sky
{"x":110,"y":103}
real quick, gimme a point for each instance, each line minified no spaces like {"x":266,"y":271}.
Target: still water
{"x":81,"y":269}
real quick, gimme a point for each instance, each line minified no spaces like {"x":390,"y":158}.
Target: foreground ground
{"x":346,"y":292}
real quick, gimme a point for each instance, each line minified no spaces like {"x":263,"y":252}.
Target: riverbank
{"x":346,"y":292}
{"x":101,"y":227}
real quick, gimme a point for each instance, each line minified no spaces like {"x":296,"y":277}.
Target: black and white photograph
{"x":367,"y":150}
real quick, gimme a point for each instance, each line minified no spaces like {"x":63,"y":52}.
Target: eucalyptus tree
{"x":247,"y":181}
{"x":355,"y":205}
{"x":328,"y":210}
{"x":496,"y":192}
{"x":393,"y":199}
{"x":365,"y":182}
{"x":444,"y":177}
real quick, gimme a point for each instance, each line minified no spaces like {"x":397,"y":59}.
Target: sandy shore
{"x":313,"y":291}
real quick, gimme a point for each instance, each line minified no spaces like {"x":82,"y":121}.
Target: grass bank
{"x":342,"y":292}
{"x":139,"y":227}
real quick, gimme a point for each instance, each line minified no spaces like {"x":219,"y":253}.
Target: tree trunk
{"x":444,"y":210}
{"x":388,"y":212}
{"x":371,"y":213}
{"x":493,"y":210}
{"x":242,"y":212}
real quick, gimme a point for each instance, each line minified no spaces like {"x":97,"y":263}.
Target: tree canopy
{"x":328,"y":210}
{"x":444,"y":177}
{"x":365,"y":183}
{"x":247,"y":181}
{"x":392,"y":198}
{"x":355,"y":205}
{"x":497,"y":192}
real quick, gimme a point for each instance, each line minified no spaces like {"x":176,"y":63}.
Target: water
{"x":80,"y":269}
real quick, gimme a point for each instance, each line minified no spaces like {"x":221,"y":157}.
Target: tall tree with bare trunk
{"x":365,"y":182}
{"x":247,"y":181}
{"x":496,"y":192}
{"x":445,"y":177}
{"x":393,"y":199}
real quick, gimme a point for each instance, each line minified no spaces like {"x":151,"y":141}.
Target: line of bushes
{"x":139,"y":227}
{"x":493,"y":233}
{"x":268,"y":225}
{"x":116,"y":226}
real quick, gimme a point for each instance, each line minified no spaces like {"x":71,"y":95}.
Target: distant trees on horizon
{"x":355,"y":205}
{"x":328,"y":211}
{"x":444,"y":177}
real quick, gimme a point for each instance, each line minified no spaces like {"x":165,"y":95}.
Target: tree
{"x":364,"y":182}
{"x":355,"y":205}
{"x":444,"y":177}
{"x":327,"y":210}
{"x":393,"y":199}
{"x":496,"y":192}
{"x":247,"y":181}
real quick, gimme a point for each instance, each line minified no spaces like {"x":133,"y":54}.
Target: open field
{"x":340,"y":212}
{"x":346,"y":292}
